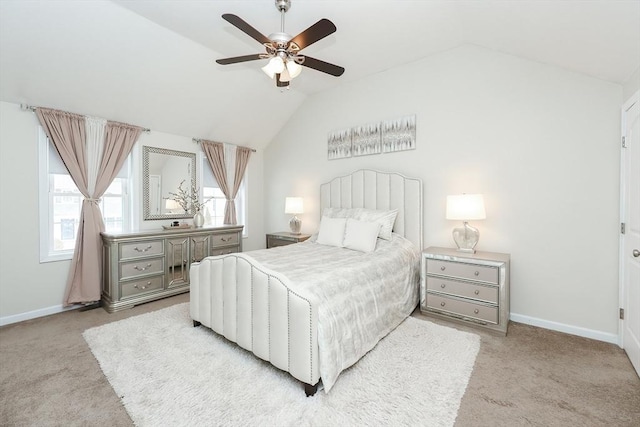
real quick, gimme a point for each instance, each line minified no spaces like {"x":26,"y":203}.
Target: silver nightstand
{"x":283,"y":238}
{"x":471,"y":288}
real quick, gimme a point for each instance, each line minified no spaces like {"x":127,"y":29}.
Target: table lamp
{"x":466,"y":207}
{"x":171,"y":205}
{"x":294,"y":205}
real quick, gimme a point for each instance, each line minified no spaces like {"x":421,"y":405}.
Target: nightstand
{"x":283,"y":238}
{"x":466,"y":287}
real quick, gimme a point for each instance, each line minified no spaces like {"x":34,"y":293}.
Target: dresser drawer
{"x":463,"y":271}
{"x":141,"y":249}
{"x":225,"y":251}
{"x":466,"y":309}
{"x":129,"y":289}
{"x":143,"y":267}
{"x":218,"y":240}
{"x":463,"y":289}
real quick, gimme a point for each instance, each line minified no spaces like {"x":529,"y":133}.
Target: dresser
{"x":466,"y":287}
{"x":143,"y":266}
{"x":283,"y":238}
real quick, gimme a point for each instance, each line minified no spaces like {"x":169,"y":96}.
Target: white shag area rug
{"x":168,"y":373}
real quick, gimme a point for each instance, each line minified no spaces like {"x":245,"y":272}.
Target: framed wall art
{"x":399,"y":134}
{"x":339,"y":144}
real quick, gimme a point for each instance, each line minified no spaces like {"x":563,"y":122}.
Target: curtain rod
{"x":25,"y":107}
{"x":199,"y":140}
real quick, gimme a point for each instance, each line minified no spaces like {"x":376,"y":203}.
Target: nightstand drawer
{"x":151,"y":284}
{"x":273,"y":242}
{"x":463,"y":289}
{"x":141,"y":249}
{"x":141,"y":267}
{"x":219,"y":240}
{"x":463,"y":271}
{"x":463,"y":308}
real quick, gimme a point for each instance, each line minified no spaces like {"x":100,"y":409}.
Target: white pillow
{"x":386,"y":218}
{"x":331,"y":231}
{"x":361,"y":235}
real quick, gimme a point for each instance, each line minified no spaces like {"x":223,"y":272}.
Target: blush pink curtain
{"x":66,"y":132}
{"x":215,"y":155}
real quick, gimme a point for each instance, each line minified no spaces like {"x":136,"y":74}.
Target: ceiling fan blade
{"x":246,"y":28}
{"x":317,"y":31}
{"x":325,"y":67}
{"x":236,"y":59}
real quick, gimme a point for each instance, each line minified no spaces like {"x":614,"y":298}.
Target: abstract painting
{"x":339,"y":144}
{"x":365,"y":140}
{"x":399,"y":134}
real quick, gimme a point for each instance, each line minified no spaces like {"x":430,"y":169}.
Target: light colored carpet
{"x":168,"y":373}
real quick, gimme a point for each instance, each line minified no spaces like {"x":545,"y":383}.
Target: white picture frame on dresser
{"x":472,"y":288}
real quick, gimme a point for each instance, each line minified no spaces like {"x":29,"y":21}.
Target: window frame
{"x":46,"y":197}
{"x":241,"y":197}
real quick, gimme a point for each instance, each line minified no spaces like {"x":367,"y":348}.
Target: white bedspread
{"x":362,"y":296}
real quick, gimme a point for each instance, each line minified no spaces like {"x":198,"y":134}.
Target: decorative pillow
{"x":331,"y":231}
{"x":361,"y":235}
{"x":385,"y":218}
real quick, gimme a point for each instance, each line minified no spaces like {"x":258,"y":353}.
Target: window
{"x":214,"y":208}
{"x":60,"y":203}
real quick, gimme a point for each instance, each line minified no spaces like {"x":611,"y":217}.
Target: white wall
{"x":631,"y":86}
{"x":29,"y":288}
{"x":541,"y":144}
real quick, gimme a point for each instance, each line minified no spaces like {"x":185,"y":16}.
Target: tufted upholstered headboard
{"x":371,"y":189}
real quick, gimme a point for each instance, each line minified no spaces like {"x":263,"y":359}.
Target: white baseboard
{"x":15,"y":318}
{"x":567,"y":329}
{"x":520,"y":318}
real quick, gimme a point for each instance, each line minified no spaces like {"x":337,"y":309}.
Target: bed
{"x":313,"y":309}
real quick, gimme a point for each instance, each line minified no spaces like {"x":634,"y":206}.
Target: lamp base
{"x":466,"y":238}
{"x":295,"y":224}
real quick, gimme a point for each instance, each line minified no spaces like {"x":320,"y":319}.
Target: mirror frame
{"x":145,"y":180}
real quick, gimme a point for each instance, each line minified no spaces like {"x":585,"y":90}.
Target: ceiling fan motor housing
{"x":283,"y":5}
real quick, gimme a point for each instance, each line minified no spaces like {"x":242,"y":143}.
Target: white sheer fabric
{"x":94,"y":128}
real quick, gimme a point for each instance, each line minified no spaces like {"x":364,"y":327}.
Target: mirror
{"x":162,"y":172}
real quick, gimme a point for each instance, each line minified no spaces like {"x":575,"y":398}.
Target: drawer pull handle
{"x":477,"y":273}
{"x":143,"y":287}
{"x":476,"y":311}
{"x":135,"y":267}
{"x":443,"y":268}
{"x":442,"y":304}
{"x":226,"y":239}
{"x":443,"y":286}
{"x":477,"y":292}
{"x":142,"y":250}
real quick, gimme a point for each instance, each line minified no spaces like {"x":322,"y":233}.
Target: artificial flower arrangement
{"x":188,"y":200}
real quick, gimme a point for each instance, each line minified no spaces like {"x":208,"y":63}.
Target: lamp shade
{"x":466,"y":207}
{"x":293,"y":205}
{"x":171,"y":204}
{"x":294,"y":68}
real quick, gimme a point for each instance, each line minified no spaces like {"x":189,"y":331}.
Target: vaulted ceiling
{"x":152,"y":63}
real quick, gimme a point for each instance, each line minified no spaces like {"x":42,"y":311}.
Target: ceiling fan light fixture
{"x":285,"y":76}
{"x":293,"y":68}
{"x":276,"y":64}
{"x":268,"y":71}
{"x":273,"y":67}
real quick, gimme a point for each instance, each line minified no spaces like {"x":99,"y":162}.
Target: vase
{"x":198,"y":219}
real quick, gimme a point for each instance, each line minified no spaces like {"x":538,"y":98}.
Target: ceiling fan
{"x":282,"y":50}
